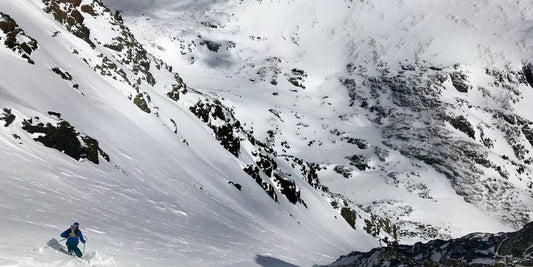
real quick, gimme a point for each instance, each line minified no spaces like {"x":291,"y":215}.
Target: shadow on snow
{"x":268,"y":261}
{"x":53,"y":243}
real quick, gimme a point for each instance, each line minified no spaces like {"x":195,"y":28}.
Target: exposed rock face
{"x":460,"y":82}
{"x":126,"y":61}
{"x":274,"y":180}
{"x":15,"y":38}
{"x":7,"y":117}
{"x":177,"y":88}
{"x":63,"y":137}
{"x":141,"y":103}
{"x":68,"y":14}
{"x":528,"y":72}
{"x":462,"y":124}
{"x":503,"y":249}
{"x":395,"y":99}
{"x":229,"y":132}
{"x":64,"y":75}
{"x":210,"y":113}
{"x":297,"y":77}
{"x":211,"y":45}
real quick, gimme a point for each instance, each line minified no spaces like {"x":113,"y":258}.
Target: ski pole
{"x":84,"y":245}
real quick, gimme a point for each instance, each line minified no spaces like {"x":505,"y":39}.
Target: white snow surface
{"x":322,"y":37}
{"x":161,"y":202}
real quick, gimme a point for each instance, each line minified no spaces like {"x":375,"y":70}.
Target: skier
{"x":72,"y":234}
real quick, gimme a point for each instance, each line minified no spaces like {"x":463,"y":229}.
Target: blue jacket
{"x":66,"y":234}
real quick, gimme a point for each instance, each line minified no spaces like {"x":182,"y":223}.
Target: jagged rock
{"x":503,"y":249}
{"x":177,"y":88}
{"x":360,"y":143}
{"x":227,"y":130}
{"x":298,"y":78}
{"x":253,"y":171}
{"x":238,"y":186}
{"x":211,"y":45}
{"x":359,"y":161}
{"x":347,"y":173}
{"x":141,"y":103}
{"x":267,"y":164}
{"x":528,"y":133}
{"x":115,"y":46}
{"x":462,"y":124}
{"x":8,"y":117}
{"x":460,"y":82}
{"x":128,"y":52}
{"x":416,"y":95}
{"x":58,"y":115}
{"x":64,"y":75}
{"x":376,"y":225}
{"x":16,"y":39}
{"x":64,"y":138}
{"x":349,"y":215}
{"x":382,"y":153}
{"x":528,"y":73}
{"x":88,"y":9}
{"x":289,"y":189}
{"x":208,"y":112}
{"x":66,"y":12}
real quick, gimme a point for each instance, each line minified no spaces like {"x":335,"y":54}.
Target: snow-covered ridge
{"x":301,"y":136}
{"x":159,"y":185}
{"x":403,"y":105}
{"x":503,"y":249}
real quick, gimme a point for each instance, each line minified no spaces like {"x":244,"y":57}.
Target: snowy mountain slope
{"x":301,"y":130}
{"x":409,"y":109}
{"x":93,"y":133}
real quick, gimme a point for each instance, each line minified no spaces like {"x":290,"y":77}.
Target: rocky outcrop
{"x":7,"y":117}
{"x":229,"y":132}
{"x":141,"y":102}
{"x":297,"y":77}
{"x":64,"y":75}
{"x":460,"y":82}
{"x":528,"y":73}
{"x":394,"y":99}
{"x":214,"y":115}
{"x":15,"y":38}
{"x":123,"y":59}
{"x":503,"y":249}
{"x":211,"y":45}
{"x":462,"y":124}
{"x":67,"y":13}
{"x":177,"y":88}
{"x":63,"y":137}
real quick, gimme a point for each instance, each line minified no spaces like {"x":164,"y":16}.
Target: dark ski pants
{"x":73,"y":248}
